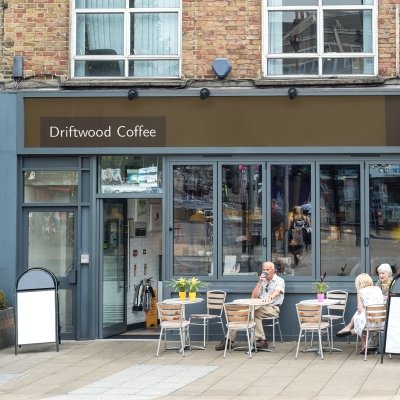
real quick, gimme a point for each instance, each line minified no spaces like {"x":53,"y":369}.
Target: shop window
{"x":241,"y":218}
{"x":340,"y":219}
{"x":193,"y":251}
{"x":291,"y":219}
{"x":149,"y":48}
{"x":135,"y":174}
{"x":50,"y":186}
{"x":320,"y":37}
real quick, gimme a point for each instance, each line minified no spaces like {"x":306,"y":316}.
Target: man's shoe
{"x":221,"y":345}
{"x":261,"y":344}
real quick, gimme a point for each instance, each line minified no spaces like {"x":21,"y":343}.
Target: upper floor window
{"x":320,"y":37}
{"x":126,"y":39}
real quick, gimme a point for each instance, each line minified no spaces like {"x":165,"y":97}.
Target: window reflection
{"x":340,"y":219}
{"x":50,"y":187}
{"x":242,"y":218}
{"x":384,"y":228}
{"x":123,"y":174}
{"x":193,"y":219}
{"x":291,"y":218}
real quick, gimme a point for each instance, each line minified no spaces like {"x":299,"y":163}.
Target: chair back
{"x":215,"y":302}
{"x":309,"y":315}
{"x":375,"y":315}
{"x":170,"y":314}
{"x":341,"y":296}
{"x":237,"y":314}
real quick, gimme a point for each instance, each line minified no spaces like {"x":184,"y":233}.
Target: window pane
{"x":242,"y":218}
{"x":291,"y":219}
{"x":347,"y":31}
{"x":347,"y":2}
{"x":154,"y":34}
{"x":193,"y":220}
{"x":123,"y":174}
{"x":293,"y":66}
{"x":50,"y":187}
{"x":142,"y":68}
{"x":354,"y":66}
{"x":99,"y":68}
{"x":277,"y":3}
{"x":154,"y":3}
{"x":99,"y":34}
{"x":384,"y":229}
{"x":99,"y":3}
{"x":340,"y":220}
{"x":292,"y":32}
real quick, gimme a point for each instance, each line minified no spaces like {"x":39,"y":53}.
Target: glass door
{"x":51,"y":245}
{"x":114,"y":245}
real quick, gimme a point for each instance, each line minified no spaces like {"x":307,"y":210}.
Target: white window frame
{"x":125,"y":57}
{"x":320,"y":55}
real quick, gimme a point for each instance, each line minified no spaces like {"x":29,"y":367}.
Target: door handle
{"x":366,"y":242}
{"x":264,"y":242}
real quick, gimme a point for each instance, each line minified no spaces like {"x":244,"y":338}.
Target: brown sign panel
{"x":102,"y":132}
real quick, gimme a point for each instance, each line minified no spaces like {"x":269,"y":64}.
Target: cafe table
{"x":323,"y":303}
{"x":185,"y":302}
{"x":253,"y":303}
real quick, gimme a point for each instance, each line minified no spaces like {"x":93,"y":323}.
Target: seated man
{"x":270,"y":287}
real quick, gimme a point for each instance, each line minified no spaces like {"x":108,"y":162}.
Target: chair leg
{"x":159,"y":342}
{"x":280,"y":332}
{"x":228,"y":339}
{"x":273,"y":332}
{"x":248,"y":343}
{"x":366,"y":346}
{"x":298,"y":344}
{"x":205,"y":325}
{"x":183,"y":341}
{"x":321,"y":351}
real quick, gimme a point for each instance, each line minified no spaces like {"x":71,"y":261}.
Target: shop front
{"x":115,"y":192}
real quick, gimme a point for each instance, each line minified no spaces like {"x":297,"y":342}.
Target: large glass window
{"x":50,"y":186}
{"x":291,"y":214}
{"x":136,"y":174}
{"x":340,"y":230}
{"x":241,"y":218}
{"x":126,"y":38}
{"x":320,"y":37}
{"x":193,"y":217}
{"x":384,"y":216}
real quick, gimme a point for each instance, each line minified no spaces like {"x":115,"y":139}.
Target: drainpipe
{"x":397,"y":39}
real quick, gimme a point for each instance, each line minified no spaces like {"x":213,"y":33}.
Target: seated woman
{"x":367,"y":294}
{"x":385,"y":273}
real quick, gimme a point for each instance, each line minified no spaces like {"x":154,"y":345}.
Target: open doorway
{"x":144,"y":250}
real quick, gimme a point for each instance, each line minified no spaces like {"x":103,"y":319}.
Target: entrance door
{"x":51,"y":245}
{"x":114,"y":239}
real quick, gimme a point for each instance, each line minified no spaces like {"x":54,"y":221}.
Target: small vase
{"x":182,"y":295}
{"x":192,"y":296}
{"x":320,"y":296}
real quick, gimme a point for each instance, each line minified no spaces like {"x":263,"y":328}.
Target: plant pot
{"x":192,"y":296}
{"x":320,"y":296}
{"x":7,"y":330}
{"x":182,"y":295}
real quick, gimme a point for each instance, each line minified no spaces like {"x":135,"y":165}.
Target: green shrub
{"x":3,"y":300}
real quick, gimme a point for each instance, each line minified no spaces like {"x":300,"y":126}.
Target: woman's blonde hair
{"x":363,"y":280}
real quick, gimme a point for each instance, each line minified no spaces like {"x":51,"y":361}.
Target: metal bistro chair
{"x":375,"y":315}
{"x":273,"y":322}
{"x":171,"y":317}
{"x":309,"y":317}
{"x":336,"y":311}
{"x":215,"y":308}
{"x":238,"y":318}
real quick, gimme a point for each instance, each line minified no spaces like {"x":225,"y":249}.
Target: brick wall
{"x":39,"y":31}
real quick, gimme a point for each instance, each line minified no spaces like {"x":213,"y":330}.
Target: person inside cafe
{"x":385,"y":274}
{"x":299,"y":233}
{"x":271,"y":288}
{"x":367,"y":294}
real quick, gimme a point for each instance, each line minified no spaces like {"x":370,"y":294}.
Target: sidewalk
{"x":129,"y":370}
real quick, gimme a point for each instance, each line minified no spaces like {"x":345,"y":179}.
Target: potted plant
{"x":6,"y":322}
{"x":194,"y":285}
{"x":180,"y":286}
{"x":320,"y":287}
